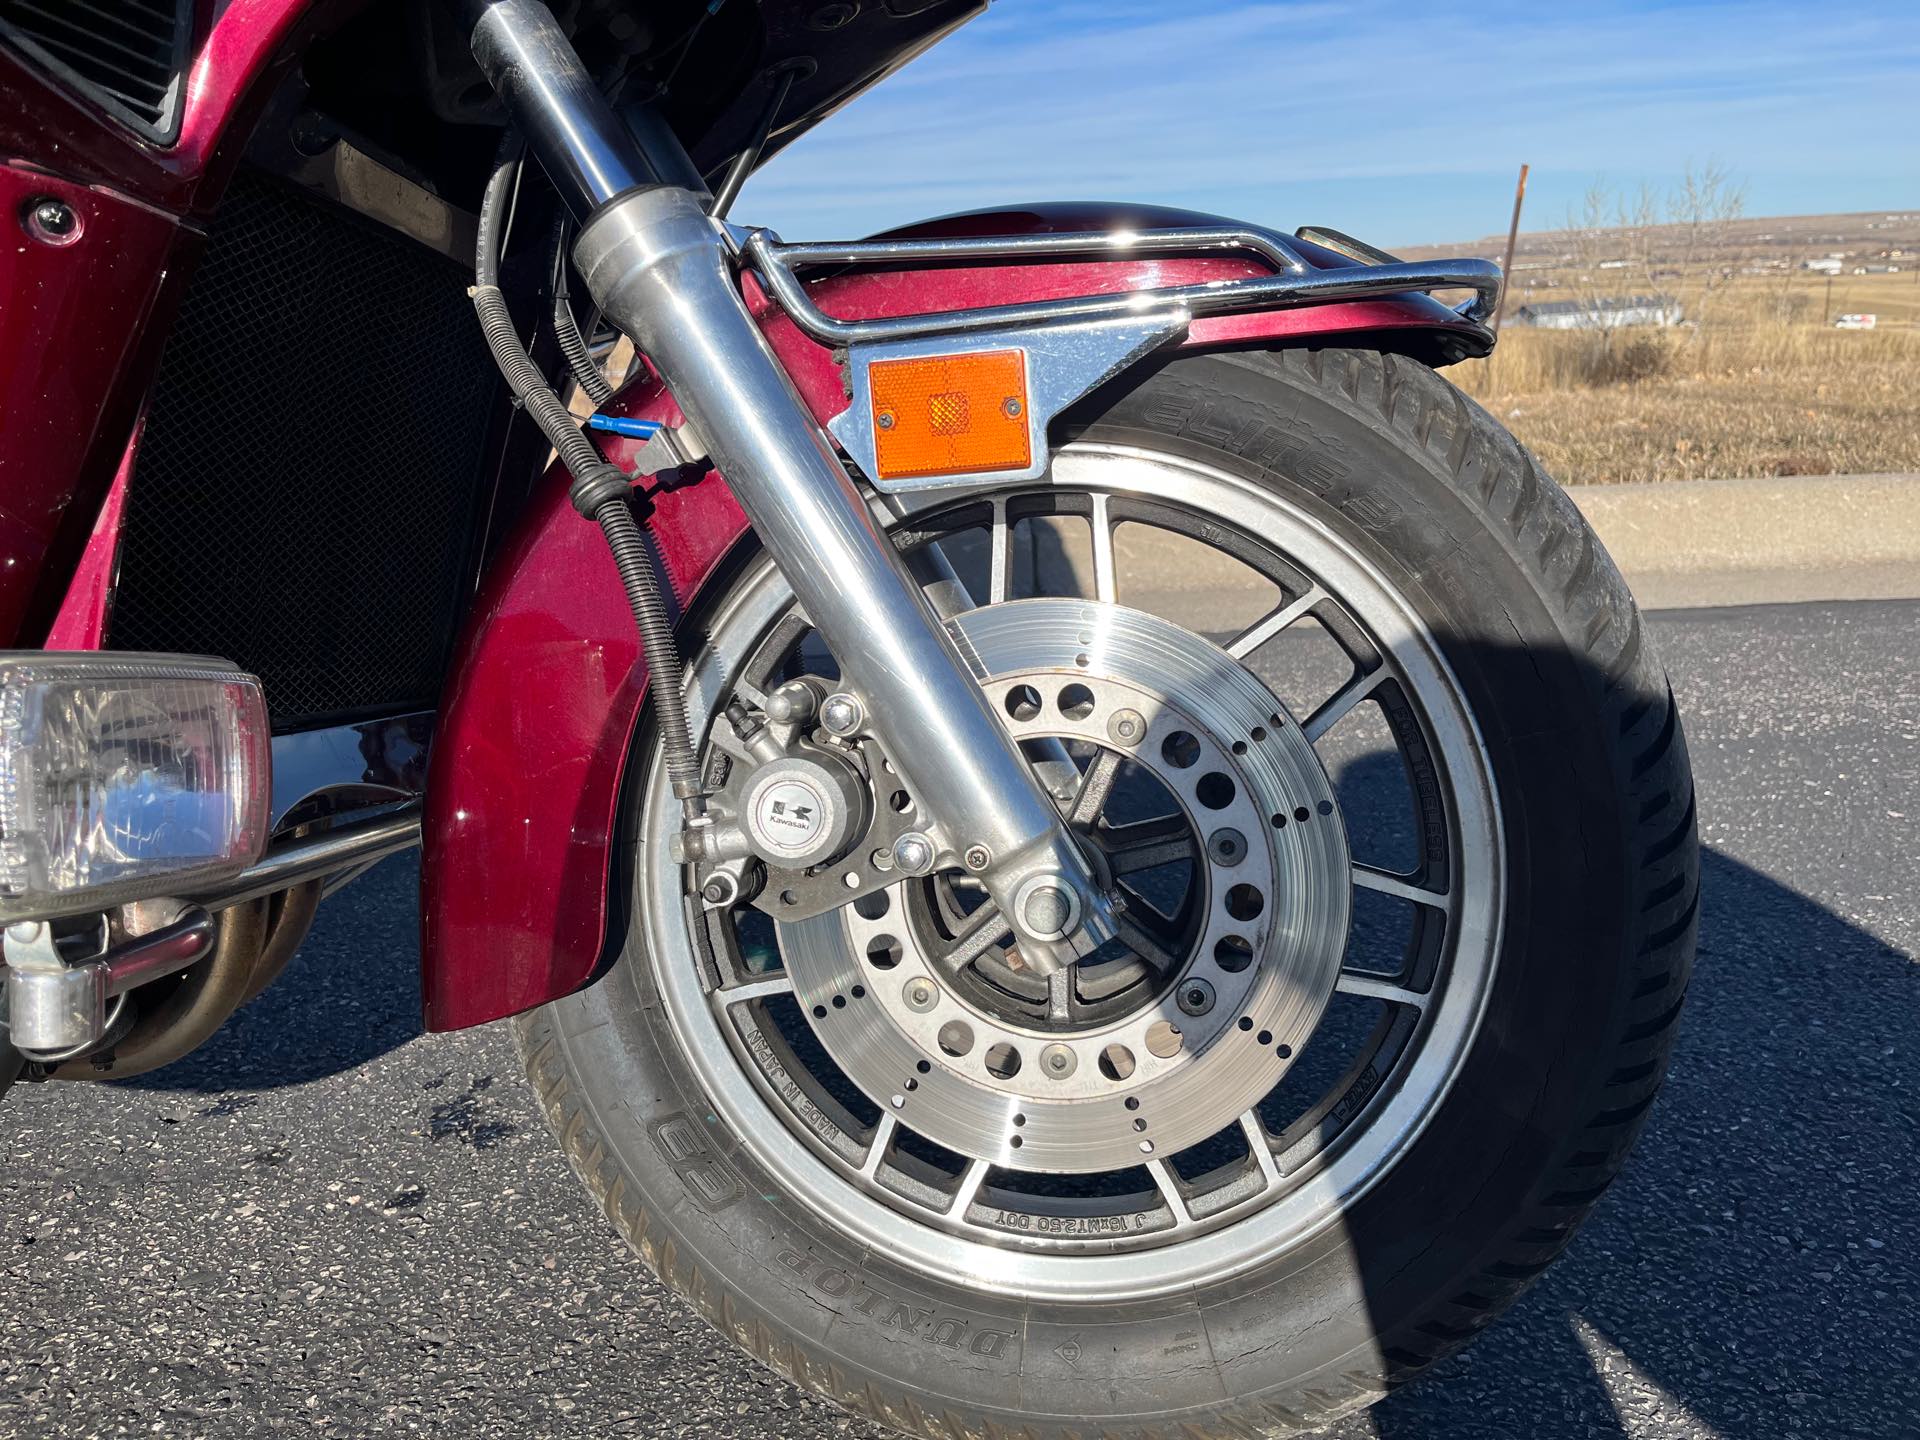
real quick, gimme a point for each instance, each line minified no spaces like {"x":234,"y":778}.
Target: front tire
{"x":1596,"y":913}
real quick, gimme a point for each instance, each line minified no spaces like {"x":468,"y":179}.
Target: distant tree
{"x":1702,"y":211}
{"x":1674,"y":246}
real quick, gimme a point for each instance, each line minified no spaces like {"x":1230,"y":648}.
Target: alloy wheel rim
{"x":854,"y":1165}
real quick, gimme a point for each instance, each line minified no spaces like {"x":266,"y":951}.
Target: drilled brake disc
{"x":1270,"y":905}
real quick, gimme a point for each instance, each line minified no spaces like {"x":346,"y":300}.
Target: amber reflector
{"x":950,"y":414}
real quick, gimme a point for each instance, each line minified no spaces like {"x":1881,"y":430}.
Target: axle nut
{"x":1047,"y":910}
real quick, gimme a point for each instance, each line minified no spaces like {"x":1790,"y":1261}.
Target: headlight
{"x":124,"y":777}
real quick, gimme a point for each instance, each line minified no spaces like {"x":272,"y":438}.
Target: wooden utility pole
{"x":1513,"y":234}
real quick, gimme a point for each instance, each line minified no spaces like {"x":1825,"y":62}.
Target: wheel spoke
{"x":1170,"y":1191}
{"x":1000,"y":570}
{"x":1095,"y":786}
{"x":1340,"y":704}
{"x":1055,"y":767}
{"x":988,"y":929}
{"x":1139,"y":940}
{"x":755,"y":990}
{"x":1145,"y":844}
{"x":1105,"y":584}
{"x":1370,"y":878}
{"x":969,"y":1187}
{"x":1268,"y":626}
{"x":1375,"y":987}
{"x":877,"y":1147}
{"x":1262,"y":1149}
{"x":1060,"y":995}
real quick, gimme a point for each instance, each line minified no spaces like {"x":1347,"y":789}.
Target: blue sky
{"x":1398,"y":122}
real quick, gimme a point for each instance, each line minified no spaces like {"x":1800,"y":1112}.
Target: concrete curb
{"x":1680,"y":543}
{"x":1737,"y":542}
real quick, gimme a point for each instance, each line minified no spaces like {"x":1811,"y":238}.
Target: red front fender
{"x":547,"y":683}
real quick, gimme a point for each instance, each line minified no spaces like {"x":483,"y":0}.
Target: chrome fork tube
{"x":661,"y":270}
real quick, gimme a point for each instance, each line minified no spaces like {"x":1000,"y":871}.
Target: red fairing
{"x":535,"y":732}
{"x":235,"y":66}
{"x":82,"y":324}
{"x":82,"y":621}
{"x":75,"y":319}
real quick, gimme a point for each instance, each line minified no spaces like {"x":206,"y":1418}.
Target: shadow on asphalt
{"x":1735,"y":1254}
{"x":350,"y":994}
{"x":1731,"y":1261}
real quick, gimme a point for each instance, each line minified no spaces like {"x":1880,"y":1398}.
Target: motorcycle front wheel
{"x":1358,"y":718}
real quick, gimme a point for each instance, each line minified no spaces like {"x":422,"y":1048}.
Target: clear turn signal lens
{"x":124,"y":776}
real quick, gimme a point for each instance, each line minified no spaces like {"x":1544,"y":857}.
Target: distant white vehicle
{"x":1828,"y":265}
{"x":1855,"y":322}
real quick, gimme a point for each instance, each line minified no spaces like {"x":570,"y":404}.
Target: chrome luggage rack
{"x":1294,"y":283}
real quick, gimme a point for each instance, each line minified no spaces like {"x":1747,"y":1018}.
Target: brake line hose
{"x":600,"y":490}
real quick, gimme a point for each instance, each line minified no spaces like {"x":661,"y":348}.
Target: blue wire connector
{"x":632,"y":429}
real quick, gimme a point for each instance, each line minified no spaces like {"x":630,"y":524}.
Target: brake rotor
{"x":1270,"y":905}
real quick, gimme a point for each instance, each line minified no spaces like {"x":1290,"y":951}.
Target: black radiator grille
{"x":309,"y":482}
{"x":129,"y":54}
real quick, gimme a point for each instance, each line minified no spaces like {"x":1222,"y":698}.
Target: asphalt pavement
{"x":328,"y":1223}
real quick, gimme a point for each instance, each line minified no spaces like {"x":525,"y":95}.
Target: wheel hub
{"x":901,"y":995}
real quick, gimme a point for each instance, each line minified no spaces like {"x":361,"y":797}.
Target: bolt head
{"x":884,"y":420}
{"x":913,"y":853}
{"x":1012,"y":407}
{"x":1226,"y":846}
{"x":978,"y":857}
{"x":1195,"y":997}
{"x":921,"y":995}
{"x":842,"y":714}
{"x":715,"y":891}
{"x":1127,"y":727}
{"x":1057,"y":1062}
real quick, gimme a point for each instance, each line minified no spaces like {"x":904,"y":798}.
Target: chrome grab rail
{"x":1296,"y":283}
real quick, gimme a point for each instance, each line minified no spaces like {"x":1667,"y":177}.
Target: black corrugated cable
{"x":599,"y":491}
{"x":566,"y":329}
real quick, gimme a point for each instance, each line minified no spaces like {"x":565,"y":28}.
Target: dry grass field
{"x":1757,"y":382}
